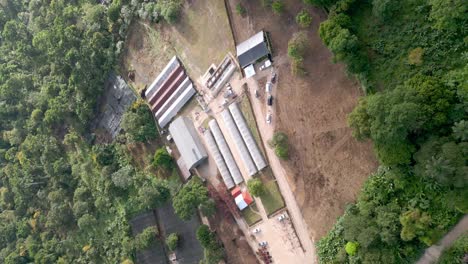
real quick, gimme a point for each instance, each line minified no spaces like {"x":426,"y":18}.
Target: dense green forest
{"x":64,"y":199}
{"x":411,"y":58}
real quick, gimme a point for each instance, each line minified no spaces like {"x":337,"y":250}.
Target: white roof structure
{"x":187,"y":141}
{"x":247,"y":136}
{"x":173,"y":63}
{"x":239,"y":142}
{"x":225,"y":152}
{"x":249,"y":71}
{"x":252,"y":49}
{"x":218,"y":158}
{"x":176,"y":106}
{"x":241,"y":204}
{"x":250,"y":43}
{"x":185,"y":84}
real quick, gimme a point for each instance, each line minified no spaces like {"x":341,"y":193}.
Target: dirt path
{"x":432,"y":254}
{"x":266,"y":131}
{"x":327,"y":167}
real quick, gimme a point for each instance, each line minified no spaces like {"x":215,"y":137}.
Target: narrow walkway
{"x":432,"y":254}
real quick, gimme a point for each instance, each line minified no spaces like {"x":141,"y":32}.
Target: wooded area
{"x":64,"y":198}
{"x":410,"y":57}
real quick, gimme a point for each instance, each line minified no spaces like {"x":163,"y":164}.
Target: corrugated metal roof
{"x":173,"y":97}
{"x":173,"y":63}
{"x":176,"y":106}
{"x":226,"y":152}
{"x":219,"y":160}
{"x":252,"y":55}
{"x":250,"y":43}
{"x":247,"y":136}
{"x":239,"y":143}
{"x":187,"y":141}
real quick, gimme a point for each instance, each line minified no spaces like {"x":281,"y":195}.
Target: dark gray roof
{"x":253,"y":54}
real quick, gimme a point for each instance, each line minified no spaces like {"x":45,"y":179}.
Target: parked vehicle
{"x":256,"y":94}
{"x":273,"y":77}
{"x":263,"y":244}
{"x":268,"y":118}
{"x":270,"y":100}
{"x":268,"y":87}
{"x":265,"y":65}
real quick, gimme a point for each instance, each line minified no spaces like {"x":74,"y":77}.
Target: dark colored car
{"x":270,"y":100}
{"x":273,"y":77}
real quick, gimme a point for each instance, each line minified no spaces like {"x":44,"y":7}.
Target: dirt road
{"x":266,"y":131}
{"x":432,"y":254}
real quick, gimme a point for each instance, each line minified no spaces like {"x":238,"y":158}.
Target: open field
{"x":327,"y":166}
{"x":150,"y":46}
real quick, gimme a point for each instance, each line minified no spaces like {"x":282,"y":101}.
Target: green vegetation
{"x":192,"y":195}
{"x":297,"y":47}
{"x":251,"y":215}
{"x":208,"y":208}
{"x":213,"y":251}
{"x":63,"y":197}
{"x":304,"y":19}
{"x":272,"y":199}
{"x":457,"y":252}
{"x":256,"y":187}
{"x":240,"y":9}
{"x":351,"y":248}
{"x":412,"y":52}
{"x":146,"y":238}
{"x":162,"y":159}
{"x":172,"y":241}
{"x":281,"y":145}
{"x":138,"y":123}
{"x":278,"y":7}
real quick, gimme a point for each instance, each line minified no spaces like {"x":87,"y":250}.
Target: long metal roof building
{"x":187,"y":141}
{"x":226,"y":152}
{"x":176,"y":106}
{"x":252,"y":49}
{"x":247,"y":136}
{"x":239,"y":142}
{"x":173,"y":63}
{"x":218,"y":158}
{"x":173,"y":97}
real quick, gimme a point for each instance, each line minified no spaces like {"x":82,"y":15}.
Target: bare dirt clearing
{"x":200,"y":38}
{"x":327,"y":166}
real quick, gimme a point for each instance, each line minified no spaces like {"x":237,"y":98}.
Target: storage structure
{"x":219,"y":160}
{"x":187,"y":141}
{"x":252,"y":49}
{"x":225,"y":152}
{"x":169,"y":92}
{"x":247,"y":136}
{"x":239,"y":142}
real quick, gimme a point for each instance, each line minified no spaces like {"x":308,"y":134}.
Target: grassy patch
{"x":272,"y":199}
{"x":250,"y":216}
{"x":247,"y":110}
{"x":174,"y":183}
{"x":193,"y":40}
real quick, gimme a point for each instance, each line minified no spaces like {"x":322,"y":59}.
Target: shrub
{"x":303,"y":18}
{"x":206,"y":237}
{"x":415,"y":57}
{"x":146,"y":238}
{"x":383,"y":9}
{"x":172,"y":241}
{"x":256,"y":187}
{"x":208,"y":208}
{"x":240,"y":9}
{"x":297,"y":47}
{"x":163,"y":159}
{"x":281,"y":145}
{"x":169,"y":10}
{"x":351,"y":248}
{"x":277,"y":7}
{"x":138,"y":123}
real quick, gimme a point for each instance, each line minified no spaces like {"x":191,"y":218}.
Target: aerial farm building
{"x":219,"y":160}
{"x":225,"y":152}
{"x":239,"y":142}
{"x":253,"y":49}
{"x":187,"y":141}
{"x":247,"y":136}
